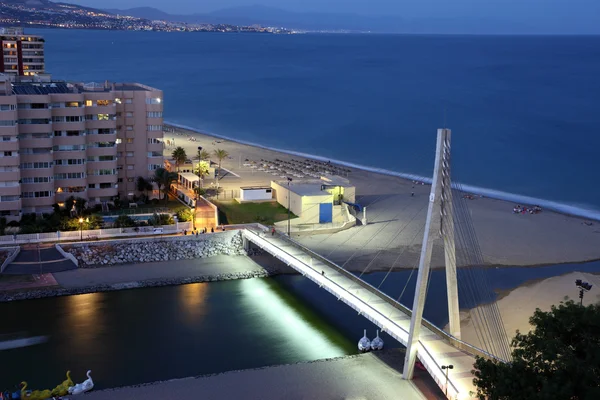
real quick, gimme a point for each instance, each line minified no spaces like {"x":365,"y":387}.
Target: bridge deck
{"x":433,"y":351}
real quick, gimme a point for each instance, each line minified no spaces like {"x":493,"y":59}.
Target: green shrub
{"x":184,"y":215}
{"x":124,"y":221}
{"x":161,"y":219}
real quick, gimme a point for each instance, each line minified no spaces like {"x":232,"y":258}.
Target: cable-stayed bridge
{"x":448,"y":224}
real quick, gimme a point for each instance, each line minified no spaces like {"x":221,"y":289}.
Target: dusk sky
{"x":517,"y":9}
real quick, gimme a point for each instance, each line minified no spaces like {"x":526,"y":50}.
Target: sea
{"x":524,"y":110}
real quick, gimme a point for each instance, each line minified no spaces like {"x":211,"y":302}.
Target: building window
{"x":103,"y":103}
{"x":117,"y":101}
{"x":129,"y":140}
{"x":129,"y":154}
{"x":119,"y":180}
{"x":7,"y":107}
{"x":154,"y":128}
{"x":129,"y":127}
{"x":128,"y":101}
{"x":155,"y":114}
{"x":73,"y":104}
{"x":129,"y":179}
{"x":8,"y":154}
{"x":130,"y":167}
{"x":129,"y":114}
{"x":89,"y":103}
{"x":154,"y":100}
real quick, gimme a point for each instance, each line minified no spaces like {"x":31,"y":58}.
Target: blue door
{"x":325,"y":212}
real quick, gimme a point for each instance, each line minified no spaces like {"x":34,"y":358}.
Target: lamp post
{"x":583,"y":287}
{"x":446,"y":368}
{"x":289,"y":197}
{"x":81,"y":229}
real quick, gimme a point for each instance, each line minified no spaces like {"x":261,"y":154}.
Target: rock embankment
{"x":58,"y":291}
{"x":100,"y":254}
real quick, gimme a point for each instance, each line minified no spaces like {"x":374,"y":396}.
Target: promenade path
{"x":433,"y":351}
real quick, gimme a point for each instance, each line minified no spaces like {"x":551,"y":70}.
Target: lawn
{"x":232,"y":212}
{"x":171,"y":207}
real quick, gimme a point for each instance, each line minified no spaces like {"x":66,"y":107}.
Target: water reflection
{"x":192,"y":299}
{"x":295,"y":334}
{"x":84,"y":317}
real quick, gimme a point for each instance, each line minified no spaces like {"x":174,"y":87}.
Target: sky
{"x":533,"y":12}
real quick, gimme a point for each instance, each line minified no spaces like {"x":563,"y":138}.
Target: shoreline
{"x":561,"y":208}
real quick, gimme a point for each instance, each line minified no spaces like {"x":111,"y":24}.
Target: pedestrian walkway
{"x":42,"y":259}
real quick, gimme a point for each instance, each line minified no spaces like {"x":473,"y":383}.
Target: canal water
{"x":145,"y":335}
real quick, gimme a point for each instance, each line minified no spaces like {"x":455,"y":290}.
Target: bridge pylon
{"x":439,"y":214}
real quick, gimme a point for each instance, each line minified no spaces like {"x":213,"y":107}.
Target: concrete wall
{"x":256,"y":194}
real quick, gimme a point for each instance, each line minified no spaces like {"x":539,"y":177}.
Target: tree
{"x":203,"y":155}
{"x":201,"y":170}
{"x":161,"y":219}
{"x":163,"y":179}
{"x":184,"y":215}
{"x":124,"y":221}
{"x":221,"y":155}
{"x":179,"y":156}
{"x":143,"y":185}
{"x":199,"y":191}
{"x":558,"y":359}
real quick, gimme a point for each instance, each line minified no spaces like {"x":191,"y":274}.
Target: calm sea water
{"x":524,"y":110}
{"x":144,"y":335}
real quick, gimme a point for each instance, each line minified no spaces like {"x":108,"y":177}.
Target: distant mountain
{"x":313,"y":21}
{"x":146,"y":13}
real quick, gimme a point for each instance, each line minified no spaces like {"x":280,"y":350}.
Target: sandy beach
{"x":517,"y":306}
{"x":365,"y":376}
{"x":396,"y":219}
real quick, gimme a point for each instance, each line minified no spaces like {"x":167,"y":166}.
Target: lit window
{"x":103,"y":102}
{"x":117,"y":101}
{"x":89,"y":103}
{"x":129,"y":140}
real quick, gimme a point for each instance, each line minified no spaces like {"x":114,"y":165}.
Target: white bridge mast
{"x":439,"y":212}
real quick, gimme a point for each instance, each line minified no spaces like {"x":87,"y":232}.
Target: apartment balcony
{"x":68,"y":154}
{"x":68,"y":140}
{"x":101,"y":179}
{"x":63,"y":183}
{"x":111,"y":137}
{"x":63,"y":196}
{"x":158,"y":135}
{"x":35,"y":128}
{"x":110,"y":192}
{"x":101,"y":151}
{"x":110,"y":109}
{"x":101,"y":124}
{"x":34,"y":113}
{"x":68,"y":111}
{"x":10,"y":206}
{"x":68,"y":126}
{"x":154,"y":121}
{"x":36,"y":143}
{"x":154,"y":108}
{"x":38,"y":202}
{"x":92,"y":165}
{"x":10,"y":190}
{"x":12,"y":145}
{"x":129,"y":121}
{"x":11,"y":175}
{"x":10,"y":161}
{"x":36,"y":187}
{"x":158,"y":147}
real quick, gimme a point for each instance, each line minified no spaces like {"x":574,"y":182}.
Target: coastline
{"x":393,"y":235}
{"x":562,"y":208}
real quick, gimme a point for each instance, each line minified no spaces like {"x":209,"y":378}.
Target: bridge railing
{"x":455,"y":342}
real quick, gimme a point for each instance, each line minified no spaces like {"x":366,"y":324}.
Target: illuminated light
{"x":456,"y":390}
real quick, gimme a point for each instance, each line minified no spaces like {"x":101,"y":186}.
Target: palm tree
{"x":203,"y":155}
{"x":143,"y":185}
{"x":202,"y":171}
{"x":179,"y":156}
{"x":220,"y":154}
{"x":163,"y":179}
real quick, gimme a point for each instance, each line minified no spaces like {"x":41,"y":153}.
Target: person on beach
{"x":273,"y":231}
{"x":212,"y":230}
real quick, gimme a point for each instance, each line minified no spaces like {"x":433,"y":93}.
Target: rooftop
{"x":41,"y":88}
{"x":307,"y":189}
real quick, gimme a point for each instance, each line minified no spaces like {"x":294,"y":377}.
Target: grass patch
{"x":171,"y":207}
{"x":231,"y":212}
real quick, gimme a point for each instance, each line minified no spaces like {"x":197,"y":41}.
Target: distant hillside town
{"x":45,"y":13}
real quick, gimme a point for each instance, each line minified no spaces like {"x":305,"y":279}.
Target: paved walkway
{"x":126,"y":273}
{"x":42,"y":260}
{"x":433,"y":350}
{"x":361,"y":377}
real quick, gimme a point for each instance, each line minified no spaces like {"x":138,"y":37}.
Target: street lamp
{"x":447,"y":367}
{"x":80,"y":229}
{"x":81,"y":221}
{"x":583,"y":287}
{"x":289,"y":197}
